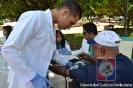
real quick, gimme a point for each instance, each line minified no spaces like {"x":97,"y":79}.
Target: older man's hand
{"x":84,"y":56}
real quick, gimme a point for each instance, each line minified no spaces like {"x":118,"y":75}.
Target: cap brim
{"x":91,"y":41}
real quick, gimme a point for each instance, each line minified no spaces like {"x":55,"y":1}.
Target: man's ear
{"x":65,"y":12}
{"x":102,"y":51}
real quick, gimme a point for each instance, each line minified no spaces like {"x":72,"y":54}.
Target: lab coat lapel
{"x":50,"y":24}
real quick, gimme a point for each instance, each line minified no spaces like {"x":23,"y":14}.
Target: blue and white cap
{"x":106,"y":38}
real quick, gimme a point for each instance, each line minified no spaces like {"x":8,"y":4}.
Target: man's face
{"x":87,"y":35}
{"x":97,"y":50}
{"x":66,"y":20}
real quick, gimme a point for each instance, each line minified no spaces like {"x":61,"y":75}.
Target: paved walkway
{"x":100,"y":27}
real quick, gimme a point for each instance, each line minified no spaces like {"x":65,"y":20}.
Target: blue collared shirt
{"x":124,"y":73}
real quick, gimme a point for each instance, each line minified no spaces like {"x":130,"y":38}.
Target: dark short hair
{"x":63,"y":38}
{"x":90,"y":27}
{"x":72,"y":6}
{"x":8,"y":28}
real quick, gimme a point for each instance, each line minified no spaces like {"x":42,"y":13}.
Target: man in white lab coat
{"x":32,"y":43}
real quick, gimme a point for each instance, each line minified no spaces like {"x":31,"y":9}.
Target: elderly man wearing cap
{"x":105,"y":44}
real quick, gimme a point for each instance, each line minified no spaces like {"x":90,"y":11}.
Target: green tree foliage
{"x":13,"y":8}
{"x":16,"y":7}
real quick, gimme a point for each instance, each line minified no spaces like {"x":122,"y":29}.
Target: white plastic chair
{"x":126,"y":48}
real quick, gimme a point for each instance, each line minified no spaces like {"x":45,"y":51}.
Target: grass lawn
{"x":75,"y":40}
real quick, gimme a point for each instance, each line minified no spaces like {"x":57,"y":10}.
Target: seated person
{"x":62,"y":45}
{"x":105,"y":44}
{"x":6,"y":31}
{"x":89,"y":32}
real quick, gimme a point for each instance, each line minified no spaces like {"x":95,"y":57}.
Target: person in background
{"x":6,"y":31}
{"x":97,"y":19}
{"x":89,"y":32}
{"x":62,"y":44}
{"x":34,"y":36}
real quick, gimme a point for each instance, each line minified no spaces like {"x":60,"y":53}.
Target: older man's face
{"x":97,"y":50}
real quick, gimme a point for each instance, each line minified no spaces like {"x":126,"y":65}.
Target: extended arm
{"x":60,"y":70}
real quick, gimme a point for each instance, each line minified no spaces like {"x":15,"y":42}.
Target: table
{"x":3,"y":79}
{"x":69,"y":57}
{"x":59,"y":81}
{"x":4,"y":68}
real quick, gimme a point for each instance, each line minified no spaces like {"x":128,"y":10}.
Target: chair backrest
{"x":126,"y":48}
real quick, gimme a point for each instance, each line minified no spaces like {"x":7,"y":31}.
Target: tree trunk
{"x":128,"y":23}
{"x":109,"y":19}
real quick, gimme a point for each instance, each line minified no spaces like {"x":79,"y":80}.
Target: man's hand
{"x":84,"y":56}
{"x":60,"y":70}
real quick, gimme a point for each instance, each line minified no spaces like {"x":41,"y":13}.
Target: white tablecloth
{"x":3,"y":79}
{"x":59,"y":81}
{"x":69,"y":57}
{"x":3,"y":72}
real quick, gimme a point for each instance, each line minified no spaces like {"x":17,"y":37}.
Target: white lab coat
{"x":84,"y":48}
{"x":67,"y":46}
{"x":34,"y":37}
